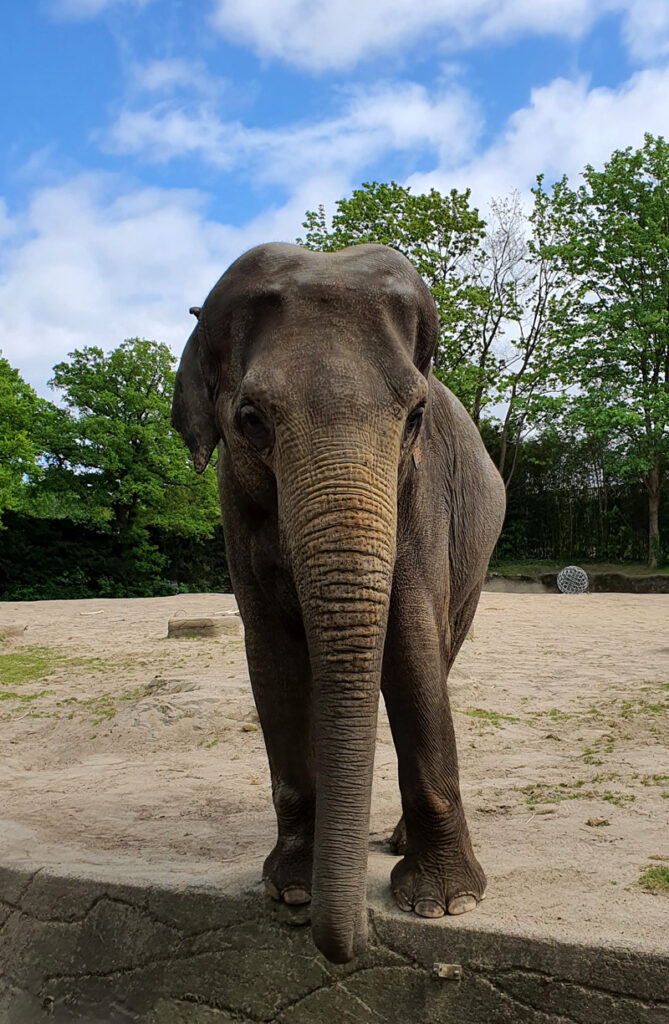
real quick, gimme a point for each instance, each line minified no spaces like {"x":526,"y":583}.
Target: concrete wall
{"x":85,"y":950}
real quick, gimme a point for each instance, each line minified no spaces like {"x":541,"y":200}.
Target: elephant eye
{"x":413,"y":421}
{"x":254,"y":426}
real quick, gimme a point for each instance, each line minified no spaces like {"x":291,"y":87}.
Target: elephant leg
{"x":281,"y":680}
{"x":398,"y":840}
{"x":439,"y":872}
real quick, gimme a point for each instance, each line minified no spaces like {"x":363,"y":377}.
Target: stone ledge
{"x":598,"y":583}
{"x":96,"y":950}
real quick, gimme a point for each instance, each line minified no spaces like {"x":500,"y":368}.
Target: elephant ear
{"x":193,"y":403}
{"x":427,"y":333}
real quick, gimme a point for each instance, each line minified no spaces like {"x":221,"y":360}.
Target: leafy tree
{"x":528,"y":301}
{"x":490,"y":282}
{"x":18,"y":452}
{"x":611,"y":234}
{"x":113,"y":463}
{"x":437,"y":233}
{"x":519,"y":295}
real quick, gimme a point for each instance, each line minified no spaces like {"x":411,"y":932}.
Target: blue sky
{"x":146,"y":143}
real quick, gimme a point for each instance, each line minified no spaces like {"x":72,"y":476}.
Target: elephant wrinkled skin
{"x":360,"y":509}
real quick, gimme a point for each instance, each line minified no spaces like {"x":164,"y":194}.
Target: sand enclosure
{"x":135,"y":754}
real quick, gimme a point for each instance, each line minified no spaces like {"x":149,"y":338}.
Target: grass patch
{"x":23,"y":698}
{"x":494,"y":717}
{"x":655,"y":879}
{"x":543,"y":793}
{"x":555,"y":715}
{"x":633,"y":709}
{"x":147,"y":690}
{"x":516,"y":568}
{"x":618,"y":799}
{"x":101,"y":708}
{"x":28,"y":665}
{"x":34,"y":663}
{"x":31,"y":664}
{"x":593,"y":755}
{"x":654,"y":780}
{"x":104,"y":706}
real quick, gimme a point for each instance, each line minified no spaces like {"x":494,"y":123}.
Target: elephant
{"x":360,"y":509}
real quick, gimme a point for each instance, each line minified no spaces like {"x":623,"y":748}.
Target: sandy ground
{"x":125,"y":751}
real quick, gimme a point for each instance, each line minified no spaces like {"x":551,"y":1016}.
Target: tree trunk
{"x":478,"y":399}
{"x":504,"y":438}
{"x":502,"y":449}
{"x":653,"y":488}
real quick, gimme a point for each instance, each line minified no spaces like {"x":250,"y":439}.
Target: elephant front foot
{"x":287,"y":873}
{"x":432,"y":884}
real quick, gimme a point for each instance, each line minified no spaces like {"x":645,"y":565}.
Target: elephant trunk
{"x":342,"y":512}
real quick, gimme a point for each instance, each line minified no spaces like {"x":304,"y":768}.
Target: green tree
{"x":611,"y":234}
{"x":114,"y":464}
{"x":18,"y":452}
{"x":528,"y":298}
{"x":438,"y":234}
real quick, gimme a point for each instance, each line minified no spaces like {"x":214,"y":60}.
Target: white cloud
{"x":165,"y":132}
{"x":564,"y":127}
{"x":91,"y":263}
{"x":323,"y":34}
{"x":646,"y":29}
{"x":319,"y":35}
{"x":391,"y":117}
{"x":89,"y":267}
{"x":167,"y":75}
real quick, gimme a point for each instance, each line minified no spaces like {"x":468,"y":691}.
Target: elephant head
{"x":311,"y":370}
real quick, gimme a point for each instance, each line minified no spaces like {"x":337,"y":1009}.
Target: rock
{"x":228,"y":625}
{"x":11,"y":630}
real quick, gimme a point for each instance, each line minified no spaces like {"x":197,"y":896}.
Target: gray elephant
{"x":360,"y":509}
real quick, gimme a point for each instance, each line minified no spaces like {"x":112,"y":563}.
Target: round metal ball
{"x":572,"y":580}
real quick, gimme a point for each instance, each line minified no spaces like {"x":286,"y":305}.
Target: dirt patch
{"x":122,"y":747}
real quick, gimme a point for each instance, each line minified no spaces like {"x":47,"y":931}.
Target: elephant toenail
{"x":295,"y":896}
{"x":271,"y":889}
{"x":429,"y":908}
{"x":402,"y":900}
{"x":462,"y":904}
